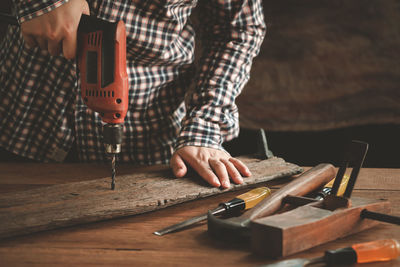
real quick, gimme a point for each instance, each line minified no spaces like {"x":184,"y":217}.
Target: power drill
{"x":101,"y":57}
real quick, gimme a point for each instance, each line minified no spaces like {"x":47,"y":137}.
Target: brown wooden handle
{"x":307,"y":182}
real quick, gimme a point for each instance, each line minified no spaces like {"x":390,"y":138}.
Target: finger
{"x":30,"y":42}
{"x":54,"y":47}
{"x":241,"y":167}
{"x":232,"y":171}
{"x":42,"y":43}
{"x":220,"y":169}
{"x":85,"y":10}
{"x":207,"y":174}
{"x":204,"y":170}
{"x":178,"y":166}
{"x":69,"y":45}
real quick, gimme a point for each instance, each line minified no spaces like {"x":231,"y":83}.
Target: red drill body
{"x":104,"y":80}
{"x":101,"y":57}
{"x":102,"y":66}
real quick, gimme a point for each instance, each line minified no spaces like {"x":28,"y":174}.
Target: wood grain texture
{"x":311,"y":225}
{"x":307,"y":182}
{"x":88,"y":201}
{"x":325,"y":65}
{"x":129,"y":241}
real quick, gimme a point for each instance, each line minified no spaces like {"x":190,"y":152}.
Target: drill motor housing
{"x":101,"y":57}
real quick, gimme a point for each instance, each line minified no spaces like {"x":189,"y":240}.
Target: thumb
{"x":178,"y":166}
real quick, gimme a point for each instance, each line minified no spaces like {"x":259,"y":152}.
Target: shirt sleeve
{"x":233,"y":33}
{"x":29,"y":9}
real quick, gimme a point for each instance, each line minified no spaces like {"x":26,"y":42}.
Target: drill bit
{"x":112,"y":136}
{"x":113,"y":172}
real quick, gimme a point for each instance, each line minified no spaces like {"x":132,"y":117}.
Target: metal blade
{"x":296,"y":262}
{"x":288,"y":263}
{"x":188,"y":222}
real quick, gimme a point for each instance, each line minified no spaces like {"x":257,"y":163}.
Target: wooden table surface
{"x":129,"y":241}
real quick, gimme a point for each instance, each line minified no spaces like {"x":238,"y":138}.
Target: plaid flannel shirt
{"x":42,"y":113}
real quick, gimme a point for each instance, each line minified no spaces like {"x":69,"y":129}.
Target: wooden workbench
{"x":129,"y":241}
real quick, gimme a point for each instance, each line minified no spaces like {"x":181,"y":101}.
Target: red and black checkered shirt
{"x":171,"y":103}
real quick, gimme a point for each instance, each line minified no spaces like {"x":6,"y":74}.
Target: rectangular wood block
{"x":308,"y":226}
{"x":89,"y":201}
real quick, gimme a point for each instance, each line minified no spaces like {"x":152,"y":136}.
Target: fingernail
{"x":179,"y":171}
{"x":248,"y":172}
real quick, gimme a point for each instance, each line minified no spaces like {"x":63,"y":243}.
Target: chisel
{"x":242,"y":202}
{"x":254,"y":195}
{"x":380,"y":250}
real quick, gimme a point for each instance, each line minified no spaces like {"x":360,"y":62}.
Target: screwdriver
{"x":242,"y":202}
{"x":379,"y":250}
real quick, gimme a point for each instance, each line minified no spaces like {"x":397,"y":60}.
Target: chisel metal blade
{"x":239,"y":203}
{"x":296,"y":262}
{"x":187,"y":223}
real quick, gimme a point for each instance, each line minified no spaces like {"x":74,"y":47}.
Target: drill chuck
{"x":112,"y":134}
{"x":113,"y":149}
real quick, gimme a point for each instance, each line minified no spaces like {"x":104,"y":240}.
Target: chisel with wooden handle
{"x":242,"y":202}
{"x":238,"y":227}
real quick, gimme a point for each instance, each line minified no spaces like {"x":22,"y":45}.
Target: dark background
{"x":328,"y":72}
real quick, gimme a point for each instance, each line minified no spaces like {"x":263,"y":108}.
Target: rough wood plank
{"x":129,"y":241}
{"x":88,"y":201}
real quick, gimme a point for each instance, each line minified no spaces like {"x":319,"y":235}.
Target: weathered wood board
{"x":89,"y":201}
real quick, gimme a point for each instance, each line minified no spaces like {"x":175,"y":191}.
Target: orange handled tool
{"x":379,"y":250}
